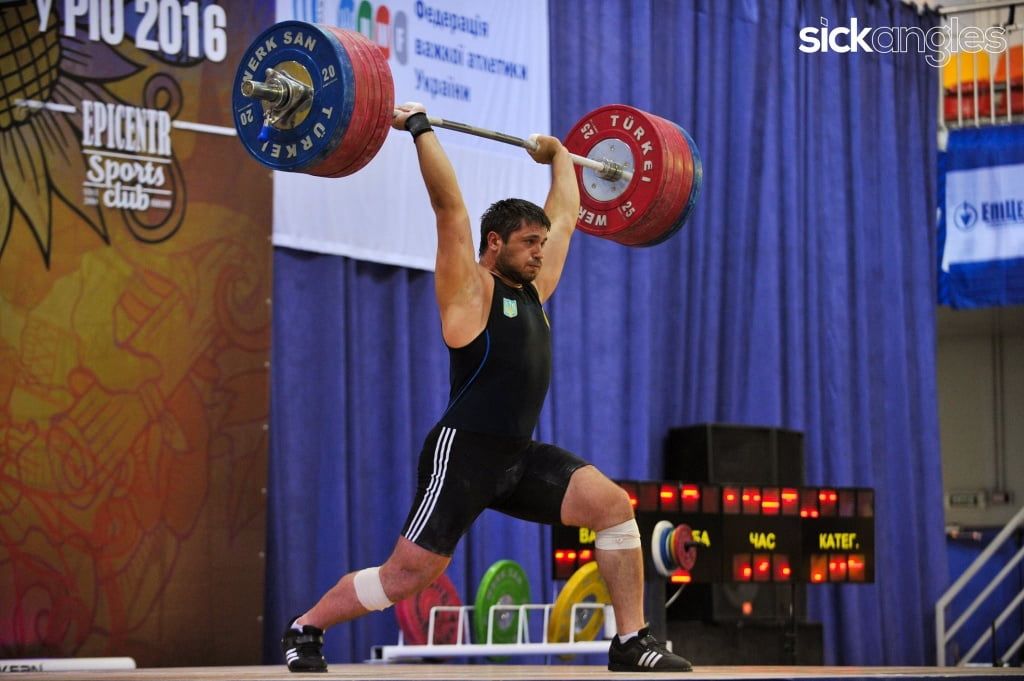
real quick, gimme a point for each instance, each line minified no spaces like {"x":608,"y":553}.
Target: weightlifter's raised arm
{"x":458,"y":279}
{"x":562,"y":207}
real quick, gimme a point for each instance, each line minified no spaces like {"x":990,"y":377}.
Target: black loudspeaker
{"x":754,"y":455}
{"x":737,"y":603}
{"x":751,"y":643}
{"x":719,"y":453}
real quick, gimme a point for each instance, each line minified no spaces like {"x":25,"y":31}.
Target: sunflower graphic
{"x":44,"y":78}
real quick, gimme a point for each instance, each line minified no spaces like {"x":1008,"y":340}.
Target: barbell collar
{"x":273,"y":93}
{"x":286,"y":96}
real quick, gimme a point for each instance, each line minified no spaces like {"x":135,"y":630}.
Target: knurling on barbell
{"x":319,"y":100}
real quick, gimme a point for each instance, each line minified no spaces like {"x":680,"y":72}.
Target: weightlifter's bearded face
{"x":521,"y":257}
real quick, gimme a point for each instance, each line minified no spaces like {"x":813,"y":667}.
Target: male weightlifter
{"x":480,"y":454}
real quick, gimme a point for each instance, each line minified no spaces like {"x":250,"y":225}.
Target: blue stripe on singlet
{"x":487,"y":352}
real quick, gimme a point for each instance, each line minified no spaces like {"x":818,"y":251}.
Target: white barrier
{"x":67,"y":664}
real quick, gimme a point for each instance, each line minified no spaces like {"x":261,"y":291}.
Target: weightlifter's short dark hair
{"x":508,"y":215}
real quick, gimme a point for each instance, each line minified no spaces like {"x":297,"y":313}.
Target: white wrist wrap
{"x":370,"y":591}
{"x":619,"y":537}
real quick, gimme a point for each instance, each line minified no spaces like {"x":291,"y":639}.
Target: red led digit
{"x":668,"y":498}
{"x":790,"y":501}
{"x":751,"y":500}
{"x":741,"y":568}
{"x":819,"y":568}
{"x":680,"y":576}
{"x":730,"y":500}
{"x":691,"y":498}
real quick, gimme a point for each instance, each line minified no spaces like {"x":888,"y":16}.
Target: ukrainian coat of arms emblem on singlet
{"x":510,"y":307}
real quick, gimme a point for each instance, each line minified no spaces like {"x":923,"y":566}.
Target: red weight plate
{"x":674,"y":194}
{"x":685,"y":557}
{"x":382,"y":111}
{"x":688,"y":161}
{"x":659,"y":211}
{"x":695,"y":176}
{"x":352,"y":142}
{"x":366,"y":113}
{"x":370,"y":55}
{"x":379,"y":121}
{"x":413,"y":614}
{"x":641,"y":134}
{"x":387,"y":105}
{"x":367,"y":53}
{"x":368,"y":109}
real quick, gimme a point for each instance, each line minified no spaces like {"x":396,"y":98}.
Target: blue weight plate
{"x":330,"y":70}
{"x":666,"y":550}
{"x":659,"y":555}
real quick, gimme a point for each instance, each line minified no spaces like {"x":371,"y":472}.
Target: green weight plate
{"x":504,"y":583}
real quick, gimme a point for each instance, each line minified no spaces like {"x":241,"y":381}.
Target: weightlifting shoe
{"x":644,"y":653}
{"x":303,"y":649}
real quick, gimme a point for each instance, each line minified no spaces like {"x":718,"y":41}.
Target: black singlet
{"x":499,"y":380}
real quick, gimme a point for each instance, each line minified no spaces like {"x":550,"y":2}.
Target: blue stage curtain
{"x":801,"y":295}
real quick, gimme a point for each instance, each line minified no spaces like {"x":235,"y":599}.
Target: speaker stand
{"x":790,"y":638}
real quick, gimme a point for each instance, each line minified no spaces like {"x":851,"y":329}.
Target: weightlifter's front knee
{"x":409,"y":570}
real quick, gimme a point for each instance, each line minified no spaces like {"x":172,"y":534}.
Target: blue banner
{"x":981,"y":218}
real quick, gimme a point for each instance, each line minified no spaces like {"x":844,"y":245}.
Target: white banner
{"x":485,"y":64}
{"x":984,"y":215}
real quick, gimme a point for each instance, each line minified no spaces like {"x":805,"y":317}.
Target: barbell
{"x":317,"y":99}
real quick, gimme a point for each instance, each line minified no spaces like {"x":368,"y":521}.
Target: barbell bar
{"x":605,"y":168}
{"x":326,"y":101}
{"x":285,"y":95}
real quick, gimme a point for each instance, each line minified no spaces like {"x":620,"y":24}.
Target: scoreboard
{"x":722,"y":533}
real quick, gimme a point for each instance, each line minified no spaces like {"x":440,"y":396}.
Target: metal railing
{"x":944,"y":635}
{"x":979,"y":87}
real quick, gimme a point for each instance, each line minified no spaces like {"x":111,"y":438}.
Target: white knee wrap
{"x":370,"y":591}
{"x":618,"y":537}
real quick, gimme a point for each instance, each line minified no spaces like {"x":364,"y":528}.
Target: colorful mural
{"x":134,"y":334}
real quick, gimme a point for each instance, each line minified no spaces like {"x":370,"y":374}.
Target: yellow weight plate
{"x":585,"y":586}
